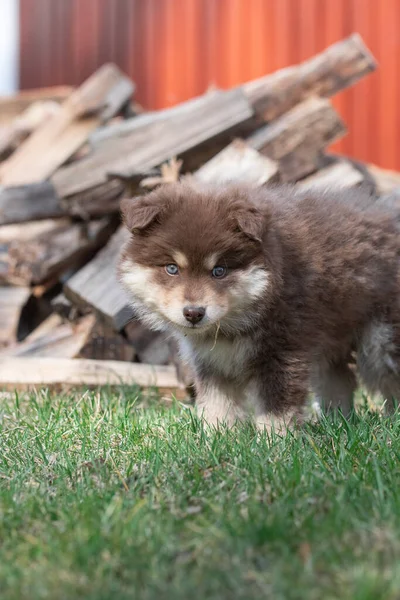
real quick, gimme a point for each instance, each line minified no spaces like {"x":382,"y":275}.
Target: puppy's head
{"x":196,"y":259}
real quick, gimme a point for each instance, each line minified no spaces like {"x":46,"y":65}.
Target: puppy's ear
{"x":139,"y":213}
{"x":251,"y":222}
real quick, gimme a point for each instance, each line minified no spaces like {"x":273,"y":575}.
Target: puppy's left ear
{"x":139,"y":213}
{"x":252,"y":223}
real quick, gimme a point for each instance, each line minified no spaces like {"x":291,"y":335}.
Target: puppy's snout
{"x":194,"y":314}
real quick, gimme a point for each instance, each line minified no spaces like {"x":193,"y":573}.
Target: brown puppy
{"x":268,"y":292}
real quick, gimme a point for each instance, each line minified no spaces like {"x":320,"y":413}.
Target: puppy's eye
{"x":218,"y":272}
{"x":172,"y":269}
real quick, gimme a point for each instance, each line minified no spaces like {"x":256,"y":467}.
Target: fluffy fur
{"x":310,"y":278}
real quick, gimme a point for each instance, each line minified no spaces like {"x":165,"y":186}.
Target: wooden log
{"x":296,"y":139}
{"x":145,"y":147}
{"x":24,"y":232}
{"x":93,"y":103}
{"x":29,"y":372}
{"x":339,"y":173}
{"x":96,"y":286}
{"x":48,"y":255}
{"x":238,"y":162}
{"x":104,"y":343}
{"x":12,"y":301}
{"x":335,"y":69}
{"x":12,"y":106}
{"x":103,"y":199}
{"x":54,"y":339}
{"x":85,"y":338}
{"x":29,"y":203}
{"x":12,"y":135}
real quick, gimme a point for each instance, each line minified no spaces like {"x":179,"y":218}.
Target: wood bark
{"x":93,"y":103}
{"x":325,"y":74}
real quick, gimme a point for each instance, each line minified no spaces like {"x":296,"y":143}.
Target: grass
{"x":102,"y":498}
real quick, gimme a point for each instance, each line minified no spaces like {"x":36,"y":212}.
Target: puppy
{"x":269,"y":292}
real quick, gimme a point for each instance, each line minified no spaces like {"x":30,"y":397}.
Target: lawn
{"x":104,"y":496}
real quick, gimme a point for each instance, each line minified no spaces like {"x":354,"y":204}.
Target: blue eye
{"x":172,"y":269}
{"x":219,"y":272}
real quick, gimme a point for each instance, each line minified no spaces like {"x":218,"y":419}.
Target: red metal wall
{"x":175,"y":49}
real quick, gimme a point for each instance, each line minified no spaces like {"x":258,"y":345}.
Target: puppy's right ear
{"x":139,"y":213}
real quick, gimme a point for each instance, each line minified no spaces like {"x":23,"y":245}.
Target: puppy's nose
{"x":194,"y":314}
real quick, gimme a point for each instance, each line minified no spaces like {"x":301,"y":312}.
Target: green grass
{"x":102,"y":498}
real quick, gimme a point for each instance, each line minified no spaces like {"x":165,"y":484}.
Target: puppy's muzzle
{"x":194,"y":314}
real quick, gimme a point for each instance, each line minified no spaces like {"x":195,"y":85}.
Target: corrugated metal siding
{"x":175,"y":49}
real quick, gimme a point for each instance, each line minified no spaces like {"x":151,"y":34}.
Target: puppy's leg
{"x":282,"y":392}
{"x":218,"y":403}
{"x":378,"y":362}
{"x":334,"y":386}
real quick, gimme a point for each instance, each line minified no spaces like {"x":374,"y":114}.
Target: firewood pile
{"x":68,"y":156}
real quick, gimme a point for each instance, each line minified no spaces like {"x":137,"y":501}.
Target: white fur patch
{"x":216,"y":405}
{"x":225,"y":357}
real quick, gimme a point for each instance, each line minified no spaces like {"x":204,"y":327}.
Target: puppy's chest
{"x":225,"y":358}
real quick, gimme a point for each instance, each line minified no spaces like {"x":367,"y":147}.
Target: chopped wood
{"x":28,"y":372}
{"x":104,"y":343}
{"x":29,"y":203}
{"x":155,"y":142}
{"x":12,"y":135}
{"x":93,"y":103}
{"x":54,"y":339}
{"x":101,"y":200}
{"x":335,"y":69}
{"x":25,"y":232}
{"x":238,"y":162}
{"x":64,"y":307}
{"x":96,"y":285}
{"x":385,"y":179}
{"x":12,"y":301}
{"x":46,"y":256}
{"x":296,"y":139}
{"x":340,"y":173}
{"x":12,"y":106}
{"x":85,"y":338}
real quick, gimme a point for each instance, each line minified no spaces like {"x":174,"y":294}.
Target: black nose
{"x":194,"y":314}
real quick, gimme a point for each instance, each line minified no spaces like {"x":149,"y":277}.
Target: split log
{"x":53,"y":339}
{"x":29,"y":203}
{"x":339,"y":173}
{"x":64,"y":307}
{"x":47,"y":256}
{"x":24,"y":232}
{"x":12,"y":135}
{"x":238,"y":162}
{"x":12,"y":106}
{"x":104,"y":343}
{"x":335,"y":69}
{"x":86,"y":338}
{"x":12,"y":301}
{"x":145,"y":147}
{"x":101,"y":200}
{"x":296,"y":139}
{"x":97,"y":100}
{"x":29,"y":372}
{"x":96,"y":285}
